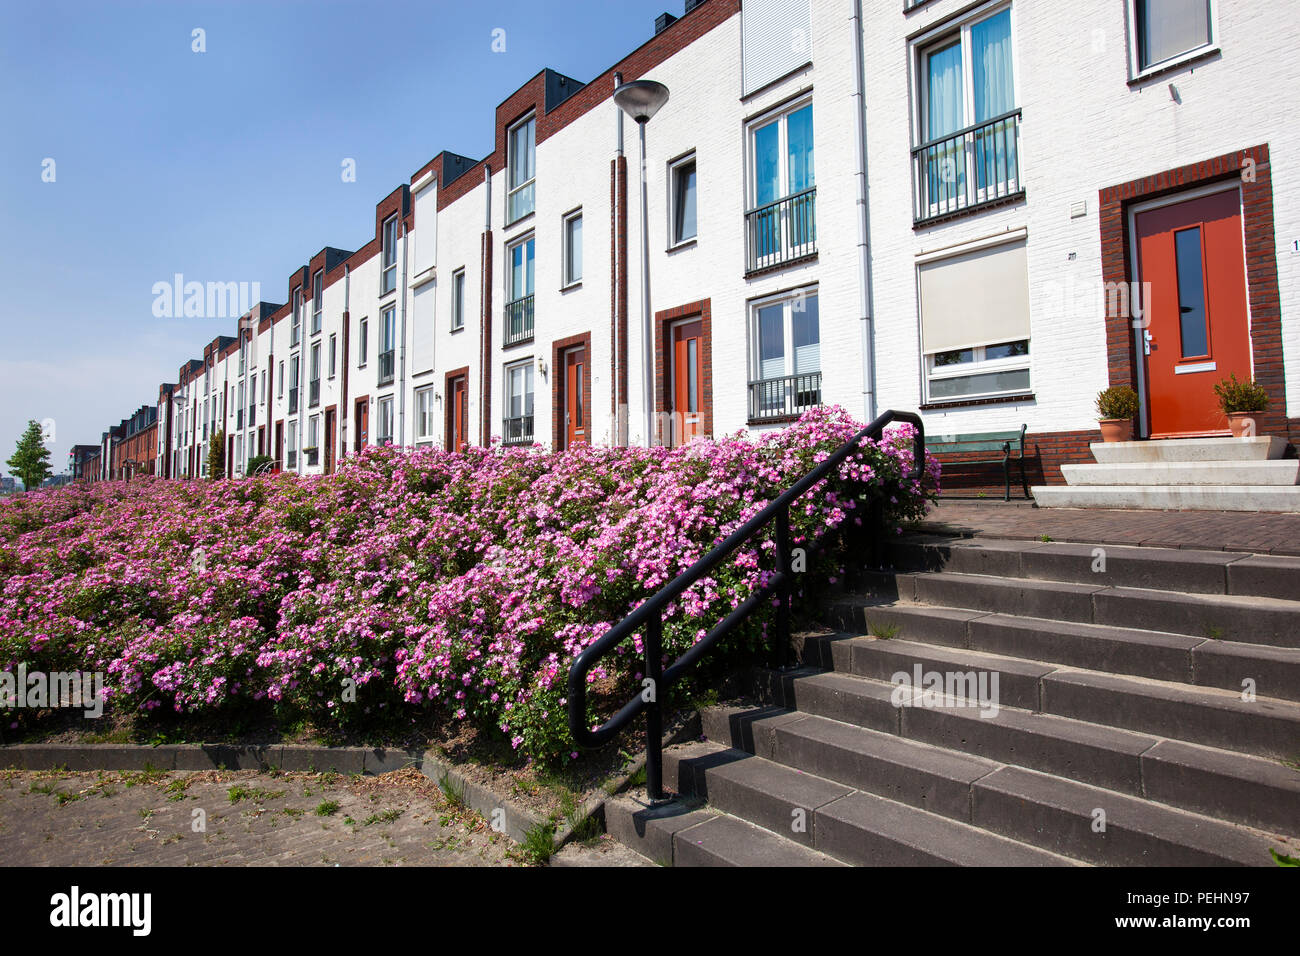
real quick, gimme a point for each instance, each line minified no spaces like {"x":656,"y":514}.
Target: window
{"x":363,"y":351}
{"x":519,"y":292}
{"x":785,"y":367}
{"x":387,"y":345}
{"x":293,"y":384}
{"x":295,"y":329}
{"x":1168,"y":30}
{"x":293,"y":444}
{"x":458,"y":299}
{"x":334,"y":352}
{"x":312,"y":448}
{"x":243,"y":353}
{"x":237,"y":467}
{"x":424,"y":416}
{"x":385,"y":432}
{"x":280,"y":393}
{"x":317,"y":288}
{"x":975,"y":323}
{"x":388,"y":277}
{"x":781,"y":225}
{"x":573,"y":248}
{"x":518,"y":424}
{"x":969,"y":121}
{"x":682,"y":179}
{"x":313,"y":387}
{"x":252,"y":400}
{"x":239,"y":408}
{"x":521,"y":169}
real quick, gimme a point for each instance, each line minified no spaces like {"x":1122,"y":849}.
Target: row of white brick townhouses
{"x":935,"y":204}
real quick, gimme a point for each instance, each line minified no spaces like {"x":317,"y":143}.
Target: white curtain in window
{"x":991,"y":48}
{"x":771,"y":342}
{"x":944,"y":103}
{"x":806,"y":335}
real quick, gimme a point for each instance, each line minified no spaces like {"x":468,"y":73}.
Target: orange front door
{"x":1193,"y":256}
{"x":459,"y":414}
{"x":363,"y":424}
{"x":575,"y":410}
{"x":329,"y":441}
{"x":687,"y":387}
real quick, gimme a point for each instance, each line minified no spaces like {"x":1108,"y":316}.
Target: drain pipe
{"x":401,"y":363}
{"x":864,"y":231}
{"x":617,"y":432}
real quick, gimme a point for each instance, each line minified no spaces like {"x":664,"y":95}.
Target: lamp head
{"x":641,"y":99}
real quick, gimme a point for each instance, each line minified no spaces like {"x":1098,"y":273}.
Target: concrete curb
{"x":190,"y":757}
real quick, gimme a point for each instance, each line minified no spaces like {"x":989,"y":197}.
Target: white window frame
{"x":530,"y":378}
{"x":363,"y":334}
{"x":317,"y":293}
{"x":295,"y":328}
{"x":510,"y":167}
{"x":280,"y":393}
{"x":1137,"y":71}
{"x":384,"y":409}
{"x":510,"y":267}
{"x":569,"y":279}
{"x":979,"y":365}
{"x":388,"y":256}
{"x":291,"y":448}
{"x":781,"y":115}
{"x":942,"y":36}
{"x":674,"y":171}
{"x":424,"y":397}
{"x":787,"y":302}
{"x":334,"y":354}
{"x":458,"y":299}
{"x":314,"y":375}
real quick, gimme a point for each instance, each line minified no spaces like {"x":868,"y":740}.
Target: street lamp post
{"x":641,"y":100}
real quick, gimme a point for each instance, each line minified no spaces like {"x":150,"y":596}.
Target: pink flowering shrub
{"x":452,"y":587}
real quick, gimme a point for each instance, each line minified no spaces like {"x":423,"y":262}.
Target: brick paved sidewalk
{"x":1203,"y":530}
{"x":249,"y":819}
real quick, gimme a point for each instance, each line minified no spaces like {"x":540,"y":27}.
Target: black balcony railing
{"x":968,"y":168}
{"x":387,"y":362}
{"x":782,"y":231}
{"x":313,"y":393}
{"x":293,"y":400}
{"x":786,"y":397}
{"x":519,"y":321}
{"x":517,"y":431}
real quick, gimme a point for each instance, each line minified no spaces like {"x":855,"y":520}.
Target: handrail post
{"x":654,"y":659}
{"x":785,"y":589}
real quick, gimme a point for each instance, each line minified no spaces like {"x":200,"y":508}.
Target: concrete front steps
{"x":1202,"y":474}
{"x":1120,"y":734}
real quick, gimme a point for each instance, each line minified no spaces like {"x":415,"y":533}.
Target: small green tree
{"x":217,"y":455}
{"x":31,"y":459}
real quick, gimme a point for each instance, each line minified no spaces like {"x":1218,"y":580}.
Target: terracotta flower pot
{"x":1243,"y":424}
{"x":1116,"y":429}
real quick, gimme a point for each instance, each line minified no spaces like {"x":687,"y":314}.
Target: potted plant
{"x":1117,"y":406}
{"x":1241,"y":402}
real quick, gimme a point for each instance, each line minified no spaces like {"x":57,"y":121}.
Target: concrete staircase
{"x":1120,"y":734}
{"x":1203,"y":474}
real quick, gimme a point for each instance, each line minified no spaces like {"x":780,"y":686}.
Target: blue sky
{"x":225,"y":165}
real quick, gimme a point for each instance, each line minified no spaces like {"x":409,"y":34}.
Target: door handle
{"x":1147,"y":342}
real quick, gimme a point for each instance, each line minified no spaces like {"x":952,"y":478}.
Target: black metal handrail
{"x":649,"y":614}
{"x":777,"y":398}
{"x":967,"y":168}
{"x":782,"y":231}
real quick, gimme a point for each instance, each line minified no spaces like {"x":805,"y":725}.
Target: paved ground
{"x":1205,"y":530}
{"x":248,"y":818}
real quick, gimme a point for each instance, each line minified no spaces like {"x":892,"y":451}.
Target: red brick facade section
{"x":1250,"y":167}
{"x":559,"y":375}
{"x":618,"y":298}
{"x":663,"y":381}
